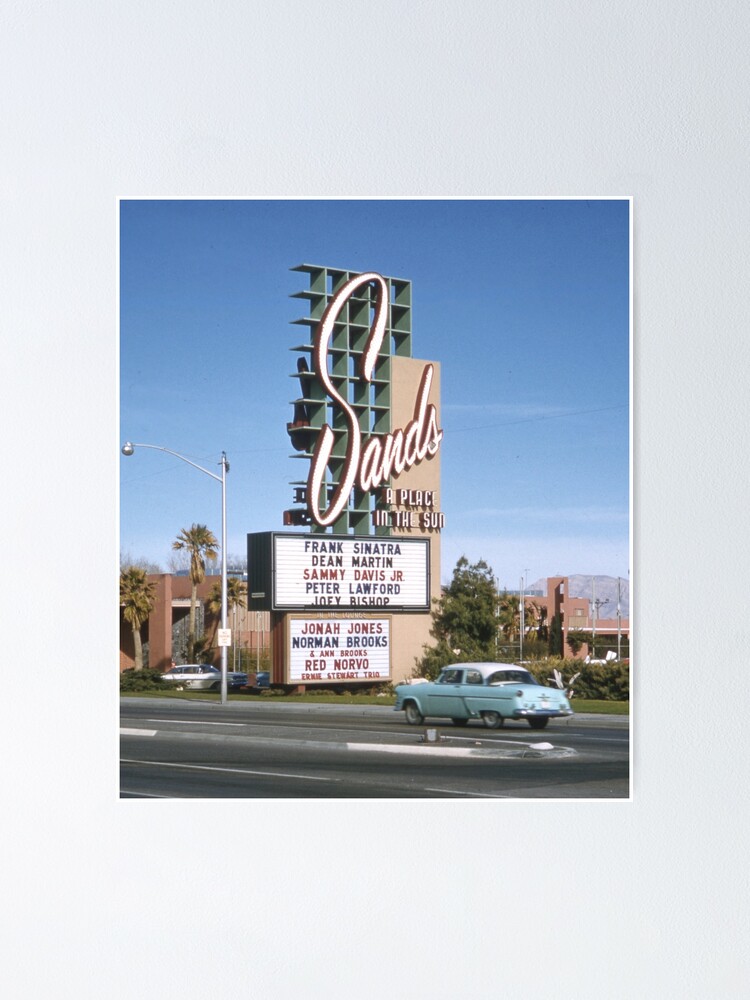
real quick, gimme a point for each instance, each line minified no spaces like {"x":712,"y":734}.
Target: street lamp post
{"x":596,"y":603}
{"x":522,"y":611}
{"x":127,"y":449}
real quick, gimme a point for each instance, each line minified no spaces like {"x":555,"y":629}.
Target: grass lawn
{"x":600,"y":707}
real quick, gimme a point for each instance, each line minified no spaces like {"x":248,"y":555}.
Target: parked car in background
{"x":263,"y":679}
{"x":235,"y":679}
{"x":489,"y":692}
{"x":202,"y":677}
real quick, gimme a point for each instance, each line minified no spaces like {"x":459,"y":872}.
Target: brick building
{"x":165,"y":633}
{"x":576,"y":616}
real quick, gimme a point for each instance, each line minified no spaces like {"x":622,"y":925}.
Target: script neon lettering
{"x":324,"y":444}
{"x":381,"y":457}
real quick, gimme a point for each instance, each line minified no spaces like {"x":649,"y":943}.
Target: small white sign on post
{"x":224,"y":636}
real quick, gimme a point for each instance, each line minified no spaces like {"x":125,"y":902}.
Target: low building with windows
{"x":597,"y":635}
{"x":165,"y":635}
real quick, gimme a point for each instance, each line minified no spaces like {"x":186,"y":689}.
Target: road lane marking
{"x":464,"y":794}
{"x":148,"y":795}
{"x":227,"y":770}
{"x":198,"y":722}
{"x":137,"y":732}
{"x":420,"y":749}
{"x":488,"y":741}
{"x":487,"y":752}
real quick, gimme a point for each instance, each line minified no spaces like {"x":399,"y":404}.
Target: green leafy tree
{"x":576,"y":640}
{"x":556,"y":636}
{"x":200,"y":543}
{"x":137,"y":600}
{"x":433,"y":660}
{"x":463,"y":620}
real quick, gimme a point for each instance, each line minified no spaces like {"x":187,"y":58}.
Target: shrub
{"x":533,"y":649}
{"x":597,"y":681}
{"x":602,"y":680}
{"x":141,"y":680}
{"x":605,"y":681}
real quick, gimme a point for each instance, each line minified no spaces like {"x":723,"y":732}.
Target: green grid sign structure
{"x":370,"y":401}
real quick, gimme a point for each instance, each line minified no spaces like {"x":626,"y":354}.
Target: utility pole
{"x":619,"y":620}
{"x":497,"y":613}
{"x":596,"y":603}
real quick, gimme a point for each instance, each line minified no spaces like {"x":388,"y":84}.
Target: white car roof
{"x":485,"y":669}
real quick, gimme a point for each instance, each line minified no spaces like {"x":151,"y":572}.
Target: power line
{"x":529,"y":420}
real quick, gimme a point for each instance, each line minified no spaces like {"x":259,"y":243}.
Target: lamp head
{"x":128,"y":448}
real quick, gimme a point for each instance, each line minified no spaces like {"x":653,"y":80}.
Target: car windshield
{"x":511,"y":677}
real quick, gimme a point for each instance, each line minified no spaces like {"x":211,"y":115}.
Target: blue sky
{"x":525,"y":304}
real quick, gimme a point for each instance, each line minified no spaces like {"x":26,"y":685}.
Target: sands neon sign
{"x":368,"y":465}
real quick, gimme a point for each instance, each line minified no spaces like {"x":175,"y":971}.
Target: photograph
{"x":415,"y":554}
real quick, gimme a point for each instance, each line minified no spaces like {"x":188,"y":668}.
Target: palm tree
{"x":509,"y":616}
{"x":200,"y":543}
{"x":137,"y":600}
{"x":236,"y":598}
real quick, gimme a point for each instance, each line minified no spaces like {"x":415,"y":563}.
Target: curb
{"x":515,"y":750}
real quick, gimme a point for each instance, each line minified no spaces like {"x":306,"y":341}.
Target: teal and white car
{"x":488,"y":692}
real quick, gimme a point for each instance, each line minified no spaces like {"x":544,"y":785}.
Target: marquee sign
{"x":346,"y":572}
{"x":364,"y":461}
{"x":326,"y":650}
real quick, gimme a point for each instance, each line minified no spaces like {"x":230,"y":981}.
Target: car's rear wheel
{"x":413,"y":716}
{"x":459,"y":722}
{"x":538,"y":723}
{"x":493,"y":720}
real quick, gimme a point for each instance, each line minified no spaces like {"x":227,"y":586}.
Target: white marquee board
{"x":335,"y":650}
{"x":350,"y":573}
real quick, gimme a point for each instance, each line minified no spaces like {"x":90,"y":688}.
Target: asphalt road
{"x":258,"y":749}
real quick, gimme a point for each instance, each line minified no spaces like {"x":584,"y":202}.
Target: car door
{"x":501,"y":693}
{"x":472,"y":689}
{"x":193,"y":675}
{"x":445,"y":697}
